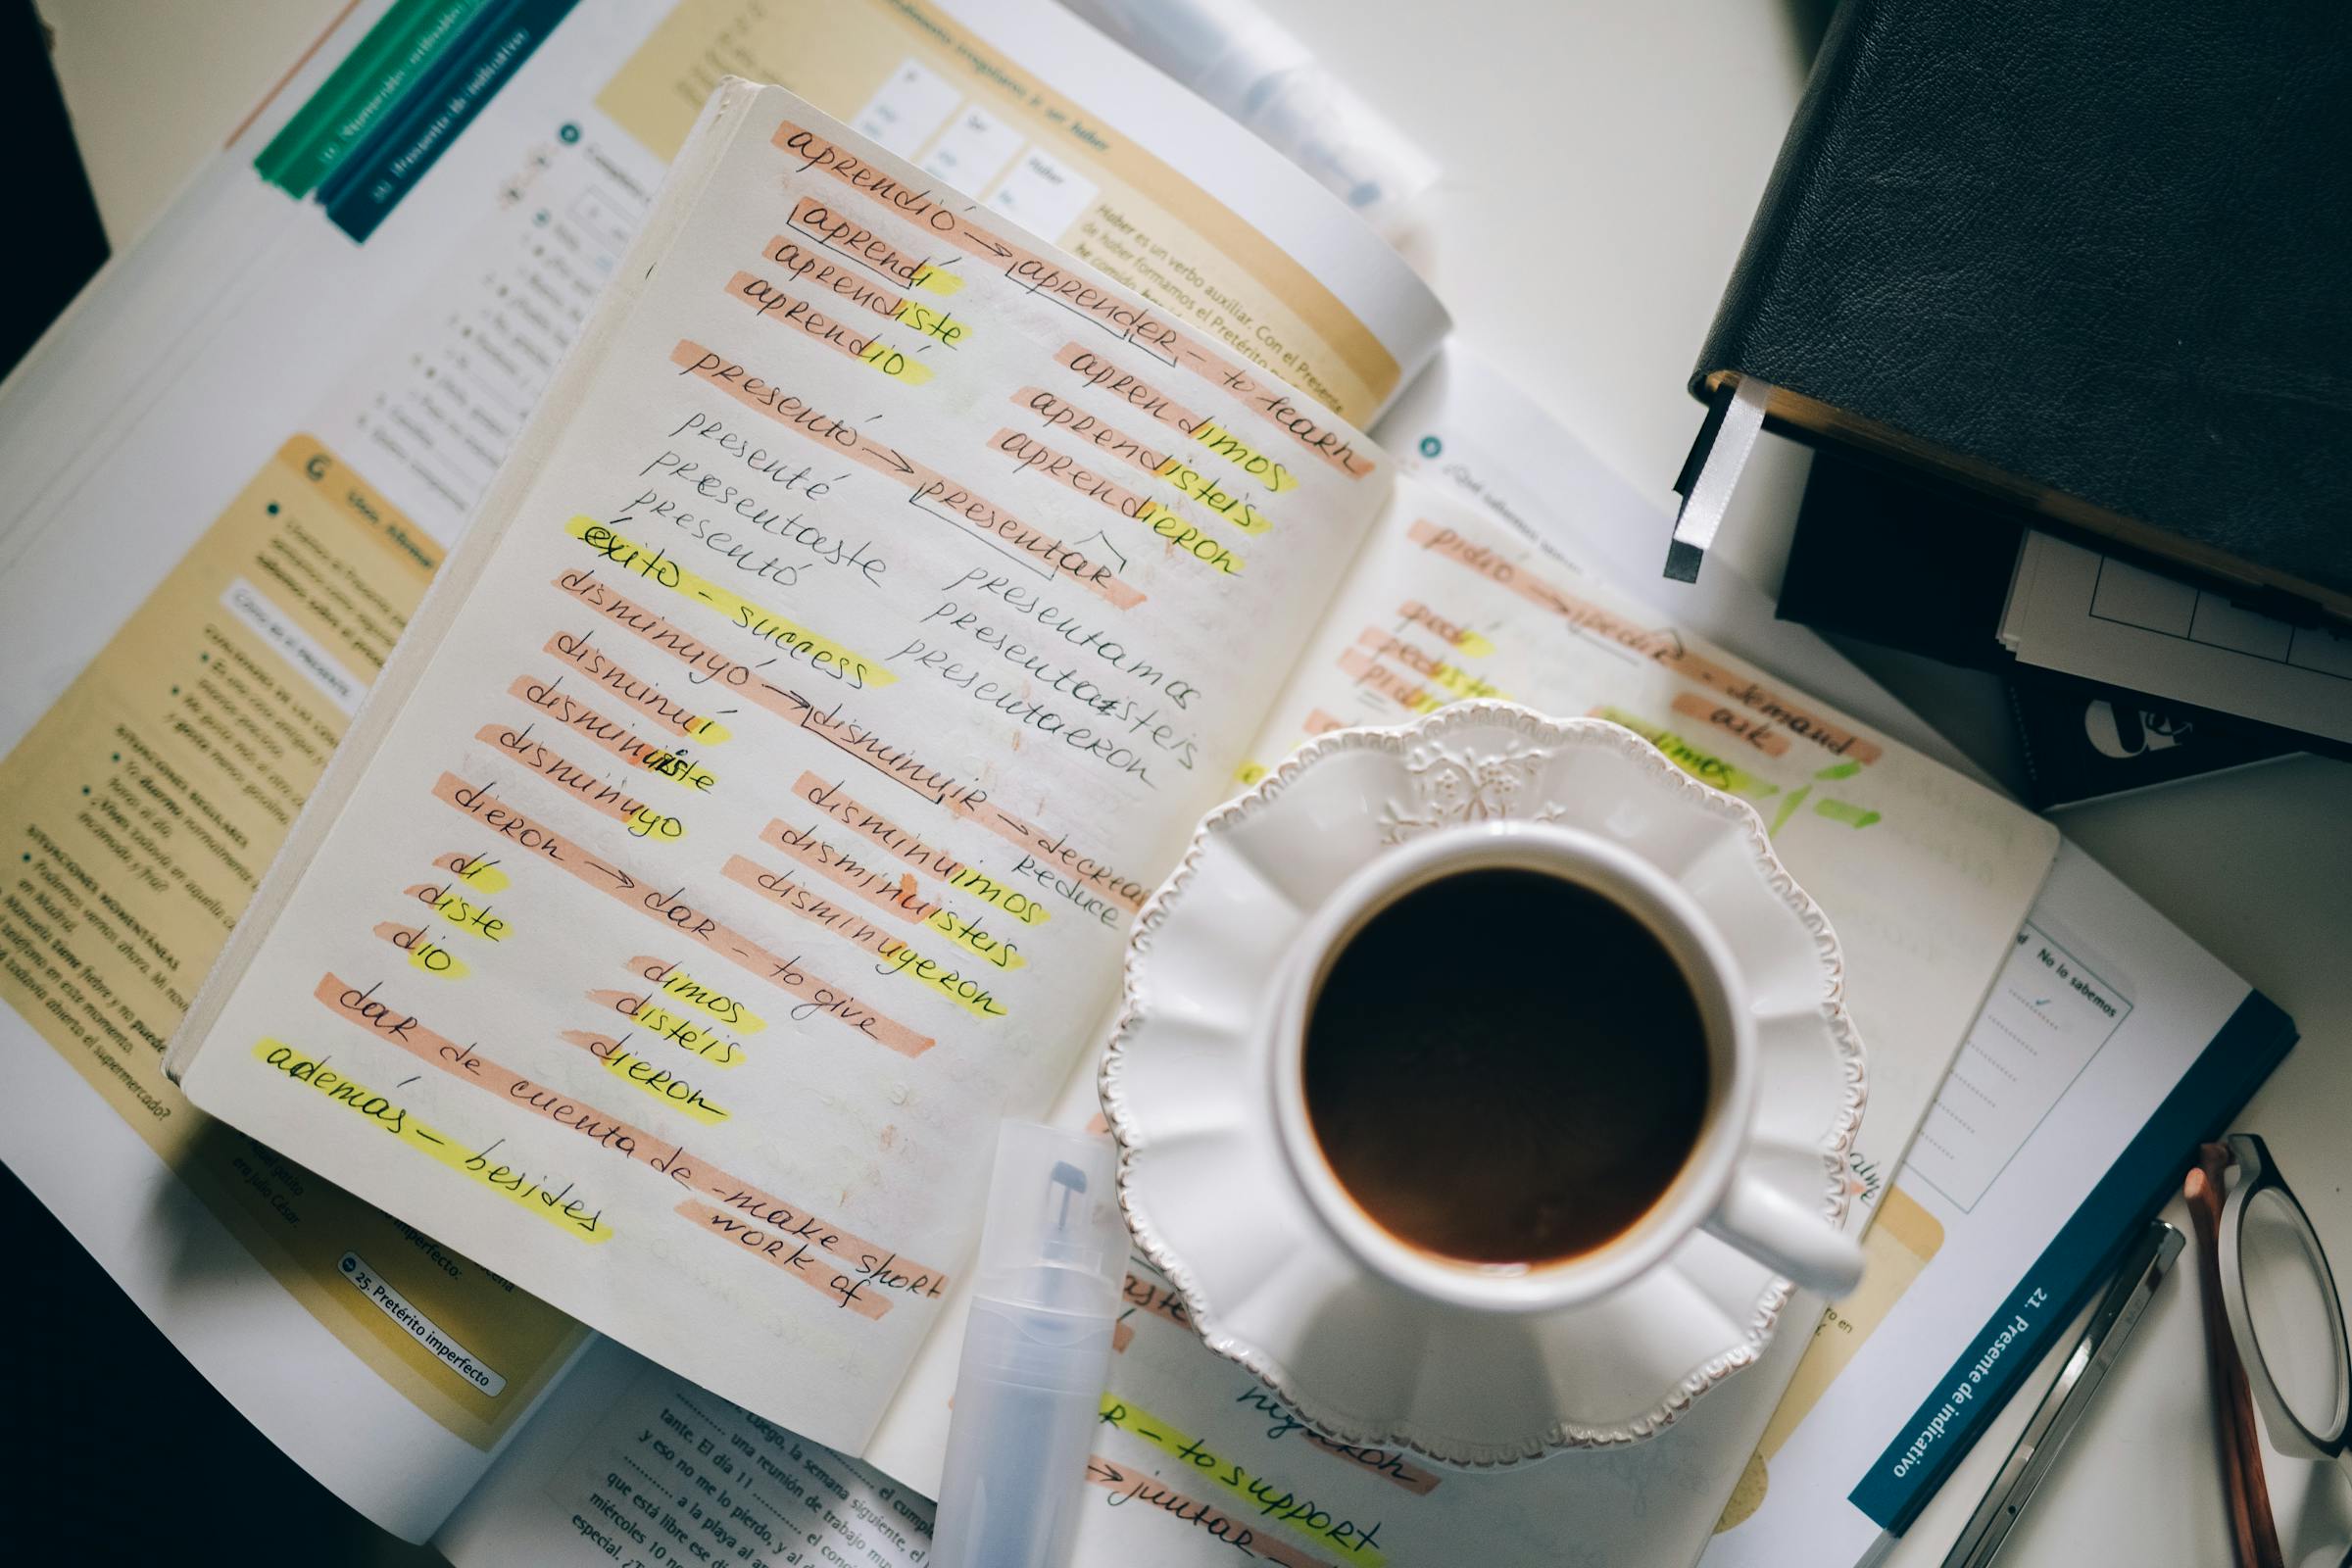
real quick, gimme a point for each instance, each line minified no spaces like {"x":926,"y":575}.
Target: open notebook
{"x":752,"y":813}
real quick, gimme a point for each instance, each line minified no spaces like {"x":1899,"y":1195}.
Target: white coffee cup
{"x":1711,"y":1191}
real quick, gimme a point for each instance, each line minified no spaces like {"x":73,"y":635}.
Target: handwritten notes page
{"x":849,"y":649}
{"x":1924,"y":874}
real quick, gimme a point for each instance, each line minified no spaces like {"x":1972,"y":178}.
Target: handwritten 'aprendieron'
{"x":814,"y":996}
{"x":1664,"y":648}
{"x":1028,"y":454}
{"x":830,"y":1253}
{"x":929,"y":490}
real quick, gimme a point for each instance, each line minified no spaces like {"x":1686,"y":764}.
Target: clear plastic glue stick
{"x":1036,"y":1354}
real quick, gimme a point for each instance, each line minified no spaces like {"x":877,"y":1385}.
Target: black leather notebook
{"x":2090,"y":257}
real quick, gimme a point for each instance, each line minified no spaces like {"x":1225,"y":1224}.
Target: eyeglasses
{"x":2274,"y":1332}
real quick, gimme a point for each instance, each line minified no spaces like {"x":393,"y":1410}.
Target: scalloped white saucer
{"x":1201,"y":1175}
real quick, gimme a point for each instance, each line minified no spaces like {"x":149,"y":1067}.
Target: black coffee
{"x":1505,"y":1067}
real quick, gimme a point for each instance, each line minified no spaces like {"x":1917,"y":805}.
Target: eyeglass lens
{"x":2287,"y":1299}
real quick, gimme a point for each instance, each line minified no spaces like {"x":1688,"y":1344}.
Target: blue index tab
{"x":1939,"y":1434}
{"x":372,"y":179}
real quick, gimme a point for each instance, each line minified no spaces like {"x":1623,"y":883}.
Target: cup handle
{"x":1786,"y":1236}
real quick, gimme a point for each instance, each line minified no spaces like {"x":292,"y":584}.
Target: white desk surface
{"x":1643,"y":134}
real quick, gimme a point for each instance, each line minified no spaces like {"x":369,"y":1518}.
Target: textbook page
{"x":137,"y":815}
{"x":1048,"y":123}
{"x":856,"y":651}
{"x":1465,"y":427}
{"x":1924,"y":874}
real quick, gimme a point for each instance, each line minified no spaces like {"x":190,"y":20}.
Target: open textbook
{"x":373,"y":1349}
{"x":751,"y":814}
{"x":236,"y":461}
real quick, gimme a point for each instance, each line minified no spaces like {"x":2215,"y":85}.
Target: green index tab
{"x":360,"y":92}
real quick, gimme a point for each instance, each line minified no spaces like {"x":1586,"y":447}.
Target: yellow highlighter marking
{"x":482,"y":875}
{"x":570,"y":1216}
{"x":893,"y":363}
{"x":1013,"y":901}
{"x":647,"y":823}
{"x":663,"y":571}
{"x":434,"y":959}
{"x":969,"y":935}
{"x":1703,"y":766}
{"x":1267,"y":1499}
{"x":663,"y":1084}
{"x":937,"y":280}
{"x":687,"y":1034}
{"x":964,"y":990}
{"x":1462,"y":683}
{"x":680,"y":986}
{"x":680,"y":770}
{"x":1223,"y":442}
{"x":932,"y":321}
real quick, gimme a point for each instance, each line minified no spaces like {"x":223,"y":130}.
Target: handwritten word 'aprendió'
{"x":558,"y":1208}
{"x":829,"y":797}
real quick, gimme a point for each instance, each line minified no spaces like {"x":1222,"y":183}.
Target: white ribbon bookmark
{"x":1710,"y":495}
